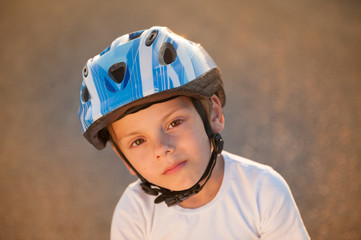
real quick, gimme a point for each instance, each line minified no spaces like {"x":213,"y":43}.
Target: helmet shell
{"x":138,"y":68}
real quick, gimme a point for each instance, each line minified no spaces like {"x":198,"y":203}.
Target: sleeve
{"x":280,"y":217}
{"x":128,"y":219}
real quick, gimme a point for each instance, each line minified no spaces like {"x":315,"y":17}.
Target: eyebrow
{"x":129,"y":135}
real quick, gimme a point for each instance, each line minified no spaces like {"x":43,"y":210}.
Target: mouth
{"x":174,"y":168}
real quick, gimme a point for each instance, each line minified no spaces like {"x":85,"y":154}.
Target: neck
{"x":210,"y":190}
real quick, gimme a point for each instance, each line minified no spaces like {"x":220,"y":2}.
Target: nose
{"x":163,"y":145}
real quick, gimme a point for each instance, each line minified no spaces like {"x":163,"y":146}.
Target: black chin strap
{"x":175,"y":197}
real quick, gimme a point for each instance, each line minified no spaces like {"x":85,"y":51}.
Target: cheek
{"x":198,"y":142}
{"x":139,"y":159}
{"x":145,"y":167}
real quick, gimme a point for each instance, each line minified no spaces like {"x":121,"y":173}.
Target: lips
{"x":174,"y":168}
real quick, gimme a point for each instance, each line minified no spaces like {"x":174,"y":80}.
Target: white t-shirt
{"x":253,"y":202}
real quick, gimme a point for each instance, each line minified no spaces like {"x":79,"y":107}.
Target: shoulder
{"x":268,"y":195}
{"x":134,"y":200}
{"x":134,"y":195}
{"x":263,"y":178}
{"x":248,"y":170}
{"x":236,"y":159}
{"x":129,"y":217}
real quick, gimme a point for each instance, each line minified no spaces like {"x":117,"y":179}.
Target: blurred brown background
{"x":292,"y":72}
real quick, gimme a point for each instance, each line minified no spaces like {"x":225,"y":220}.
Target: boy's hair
{"x":142,"y":68}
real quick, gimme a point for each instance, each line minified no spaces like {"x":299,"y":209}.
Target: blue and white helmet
{"x":139,"y":68}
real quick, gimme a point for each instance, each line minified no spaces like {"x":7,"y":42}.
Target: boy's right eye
{"x":137,"y":142}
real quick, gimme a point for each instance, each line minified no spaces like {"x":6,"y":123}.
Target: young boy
{"x":158,"y":99}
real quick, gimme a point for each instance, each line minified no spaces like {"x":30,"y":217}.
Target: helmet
{"x":139,"y":68}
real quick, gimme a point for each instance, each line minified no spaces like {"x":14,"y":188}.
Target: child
{"x":158,"y":99}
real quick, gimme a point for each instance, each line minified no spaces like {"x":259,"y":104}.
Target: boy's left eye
{"x":175,"y":123}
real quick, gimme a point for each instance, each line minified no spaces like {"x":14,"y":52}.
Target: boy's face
{"x":166,"y":143}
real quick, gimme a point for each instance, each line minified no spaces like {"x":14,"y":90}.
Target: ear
{"x":216,"y":116}
{"x":126,"y":164}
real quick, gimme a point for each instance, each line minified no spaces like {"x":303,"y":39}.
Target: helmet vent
{"x":150,"y":39}
{"x":117,"y":72}
{"x":85,"y":94}
{"x":135,"y":35}
{"x":167,"y":54}
{"x":105,"y":51}
{"x":85,"y":71}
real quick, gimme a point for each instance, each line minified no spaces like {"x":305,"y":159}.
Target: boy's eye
{"x":175,"y":123}
{"x":137,"y":142}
